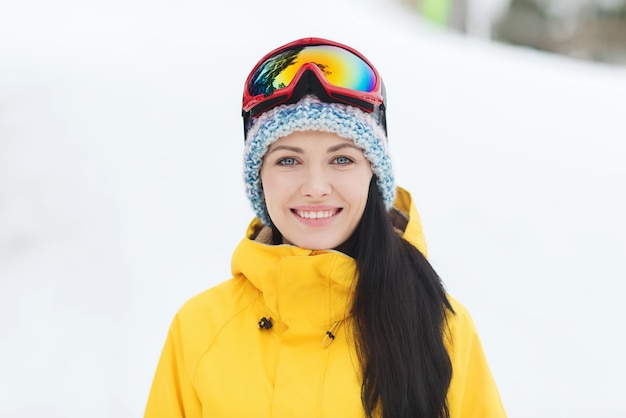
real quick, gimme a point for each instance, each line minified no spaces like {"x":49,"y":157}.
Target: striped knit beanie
{"x":312,"y":114}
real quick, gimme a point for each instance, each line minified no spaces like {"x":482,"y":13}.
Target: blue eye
{"x":343,"y":160}
{"x":287,"y":161}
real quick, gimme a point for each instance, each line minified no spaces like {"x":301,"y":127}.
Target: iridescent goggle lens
{"x":340,"y":67}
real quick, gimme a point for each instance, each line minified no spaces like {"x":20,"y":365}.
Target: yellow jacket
{"x":218,"y":362}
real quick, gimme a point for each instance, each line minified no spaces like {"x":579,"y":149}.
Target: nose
{"x":315,"y":183}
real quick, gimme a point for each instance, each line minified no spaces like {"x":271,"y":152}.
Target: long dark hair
{"x":399,"y":311}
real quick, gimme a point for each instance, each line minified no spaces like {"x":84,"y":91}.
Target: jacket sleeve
{"x":473,"y":392}
{"x":172,"y":394}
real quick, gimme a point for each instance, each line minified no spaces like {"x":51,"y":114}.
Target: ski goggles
{"x":333,"y":72}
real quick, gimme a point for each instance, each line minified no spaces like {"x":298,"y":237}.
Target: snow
{"x":121,"y":192}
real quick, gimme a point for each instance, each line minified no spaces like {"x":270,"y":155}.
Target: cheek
{"x":356,"y":188}
{"x":275,"y":180}
{"x":274,"y":186}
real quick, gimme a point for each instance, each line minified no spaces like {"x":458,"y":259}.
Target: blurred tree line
{"x":591,"y":29}
{"x":587,"y":29}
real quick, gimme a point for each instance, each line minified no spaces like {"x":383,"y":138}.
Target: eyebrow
{"x":344,"y":145}
{"x":300,"y":150}
{"x":284,"y":147}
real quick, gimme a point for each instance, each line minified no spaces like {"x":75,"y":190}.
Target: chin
{"x":318,"y":244}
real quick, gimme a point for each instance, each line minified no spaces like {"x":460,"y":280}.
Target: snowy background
{"x":121,"y":193}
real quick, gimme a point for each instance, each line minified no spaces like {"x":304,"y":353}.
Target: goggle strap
{"x":380,"y":111}
{"x":368,"y":107}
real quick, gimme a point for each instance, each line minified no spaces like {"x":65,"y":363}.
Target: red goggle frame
{"x":331,"y":71}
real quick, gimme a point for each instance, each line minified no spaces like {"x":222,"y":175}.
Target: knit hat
{"x":312,"y":114}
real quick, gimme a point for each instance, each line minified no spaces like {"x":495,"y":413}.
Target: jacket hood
{"x":406,"y":219}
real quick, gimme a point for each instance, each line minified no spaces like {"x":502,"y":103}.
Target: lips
{"x":316,"y":214}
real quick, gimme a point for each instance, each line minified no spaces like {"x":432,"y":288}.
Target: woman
{"x":333,"y":309}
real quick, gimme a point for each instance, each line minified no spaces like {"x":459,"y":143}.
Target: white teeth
{"x":315,"y":214}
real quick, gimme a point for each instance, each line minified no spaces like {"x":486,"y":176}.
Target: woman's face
{"x":316,"y":185}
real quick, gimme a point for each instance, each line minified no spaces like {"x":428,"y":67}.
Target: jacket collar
{"x":310,"y":290}
{"x":306,"y":290}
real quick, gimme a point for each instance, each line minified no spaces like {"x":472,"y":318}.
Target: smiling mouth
{"x":316,"y":214}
